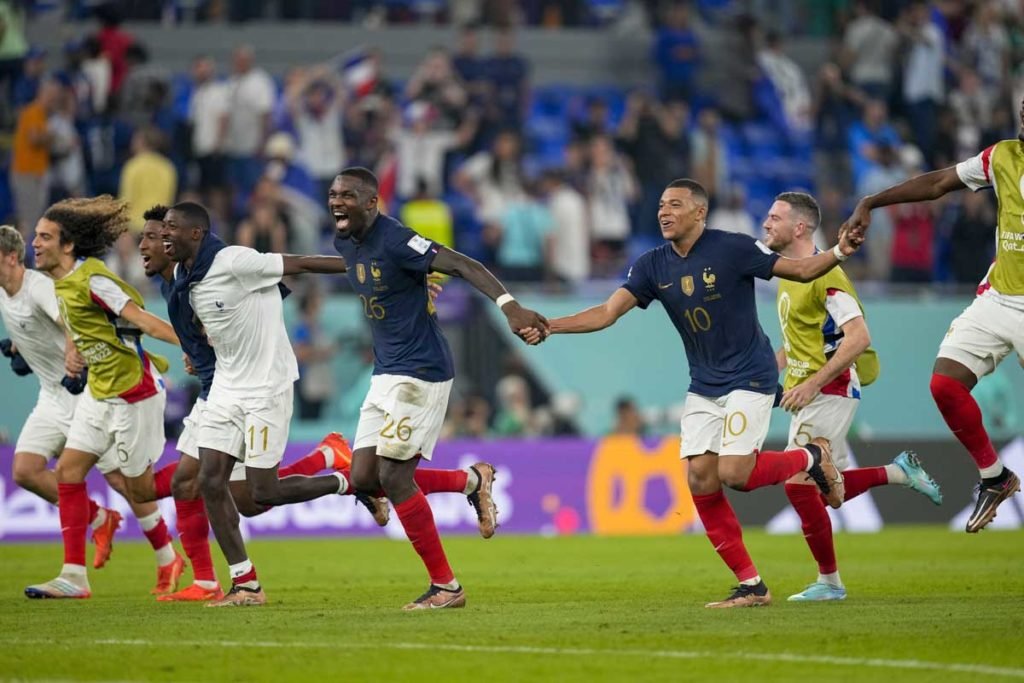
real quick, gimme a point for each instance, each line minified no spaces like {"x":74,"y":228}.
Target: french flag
{"x":359,"y":72}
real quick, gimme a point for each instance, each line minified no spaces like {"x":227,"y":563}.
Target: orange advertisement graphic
{"x":635,"y":490}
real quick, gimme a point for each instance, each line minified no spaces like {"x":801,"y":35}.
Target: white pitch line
{"x":787,"y":657}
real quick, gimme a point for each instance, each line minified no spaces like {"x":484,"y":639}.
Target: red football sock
{"x":861,"y":479}
{"x":73,"y":504}
{"x":194,"y":530}
{"x":94,"y":509}
{"x":162,"y":480}
{"x":775,"y":467}
{"x":441,"y":481}
{"x":307,"y":466}
{"x":246,"y":577}
{"x":725,"y":534}
{"x":963,"y":416}
{"x":418,"y":522}
{"x":817,"y":525}
{"x":158,"y":536}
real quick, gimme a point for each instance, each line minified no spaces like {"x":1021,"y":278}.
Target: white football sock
{"x":101,"y":519}
{"x":895,"y":475}
{"x":472,"y":481}
{"x":831,"y":579}
{"x":991,"y":470}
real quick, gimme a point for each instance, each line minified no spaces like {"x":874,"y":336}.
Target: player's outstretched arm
{"x":451,"y":262}
{"x":297,"y":265}
{"x":151,"y":325}
{"x":598,"y":317}
{"x":922,"y":188}
{"x":812,"y":267}
{"x":856,"y":340}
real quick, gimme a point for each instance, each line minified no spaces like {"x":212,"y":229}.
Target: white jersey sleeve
{"x":254,"y":270}
{"x":976,"y":172}
{"x":108,"y":294}
{"x":45,"y":298}
{"x":841,"y":307}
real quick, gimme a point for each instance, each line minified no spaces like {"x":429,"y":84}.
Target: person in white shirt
{"x":570,"y":255}
{"x":234,"y":293}
{"x":924,"y":85}
{"x":251,"y":94}
{"x":28,"y":307}
{"x":208,"y":114}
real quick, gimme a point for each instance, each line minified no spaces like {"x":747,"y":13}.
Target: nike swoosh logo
{"x":729,"y":443}
{"x":661,"y":286}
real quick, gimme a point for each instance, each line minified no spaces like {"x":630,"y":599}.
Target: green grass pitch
{"x":925,"y":604}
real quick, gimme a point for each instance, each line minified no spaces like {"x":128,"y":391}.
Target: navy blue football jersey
{"x":193,"y":344}
{"x":388,"y":270}
{"x":709,"y":296}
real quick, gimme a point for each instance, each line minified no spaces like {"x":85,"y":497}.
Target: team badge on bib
{"x":687,"y":284}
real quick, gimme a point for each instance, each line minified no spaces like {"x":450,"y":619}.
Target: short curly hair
{"x":92,"y":225}
{"x":155,"y":213}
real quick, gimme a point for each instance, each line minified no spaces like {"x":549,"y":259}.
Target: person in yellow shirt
{"x":827,"y":357}
{"x":993,"y":325}
{"x":428,"y":216}
{"x":149,"y":178}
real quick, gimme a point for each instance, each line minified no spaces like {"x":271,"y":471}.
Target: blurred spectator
{"x":834,"y":113}
{"x":316,"y":104}
{"x":67,"y":163}
{"x":789,"y":82}
{"x":737,"y":70}
{"x":508,"y":73}
{"x":293,"y":192}
{"x":107,"y":142}
{"x":429,"y":216}
{"x":468,"y":418}
{"x":470,"y":67}
{"x":913,"y":240}
{"x":114,"y":43}
{"x":146,"y":90}
{"x":30,"y":157}
{"x":494,"y":178}
{"x":731,"y":213}
{"x":422,"y":144}
{"x":570,"y":239}
{"x":886,"y":172}
{"x":26,"y":85}
{"x":208,"y":114}
{"x":867,"y":135}
{"x":869,"y":51}
{"x":971,"y":240}
{"x":595,"y":120}
{"x":923,"y":76}
{"x":13,"y":47}
{"x":314,"y":352}
{"x":514,"y":414}
{"x":973,"y":106}
{"x":677,"y":53}
{"x":263,"y":230}
{"x":436,"y":82}
{"x":98,"y":70}
{"x":611,"y":188}
{"x":986,"y":48}
{"x":709,"y":162}
{"x":522,"y":238}
{"x":652,"y":135}
{"x":149,"y":178}
{"x":251,"y":95}
{"x":72,"y":76}
{"x":628,"y":420}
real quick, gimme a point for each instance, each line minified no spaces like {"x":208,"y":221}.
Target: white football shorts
{"x":402,"y":416}
{"x":734,"y":424}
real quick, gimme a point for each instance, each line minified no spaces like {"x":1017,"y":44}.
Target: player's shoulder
{"x":652,"y":256}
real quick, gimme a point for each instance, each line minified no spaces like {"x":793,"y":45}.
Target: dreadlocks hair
{"x":92,"y":225}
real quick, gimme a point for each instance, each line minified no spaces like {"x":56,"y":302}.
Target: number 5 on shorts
{"x":803,"y":435}
{"x":401,"y":431}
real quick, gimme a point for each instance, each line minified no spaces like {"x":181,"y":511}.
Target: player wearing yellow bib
{"x":993,"y":325}
{"x":123,"y":405}
{"x":826,"y":354}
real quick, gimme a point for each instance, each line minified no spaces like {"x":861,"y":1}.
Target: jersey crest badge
{"x":709,"y":278}
{"x":361,"y":273}
{"x":687,"y":284}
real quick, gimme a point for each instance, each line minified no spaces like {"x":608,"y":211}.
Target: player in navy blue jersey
{"x":704,"y":279}
{"x":401,"y":418}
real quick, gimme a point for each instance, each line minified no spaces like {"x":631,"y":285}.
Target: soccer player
{"x":402,"y":415}
{"x":29,"y":310}
{"x":993,"y":325}
{"x":827,"y":356}
{"x":124,"y":404}
{"x":704,"y":278}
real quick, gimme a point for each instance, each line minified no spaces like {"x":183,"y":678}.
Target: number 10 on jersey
{"x":699,"y":319}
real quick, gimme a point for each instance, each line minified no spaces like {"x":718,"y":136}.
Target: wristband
{"x":838,"y":253}
{"x":504,"y":299}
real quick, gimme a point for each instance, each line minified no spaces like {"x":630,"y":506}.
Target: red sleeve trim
{"x":986,"y":162}
{"x":101,"y":303}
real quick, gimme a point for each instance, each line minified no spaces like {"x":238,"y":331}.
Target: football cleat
{"x":103,"y":538}
{"x":745,"y":596}
{"x":438,"y":598}
{"x":168,"y":576}
{"x":240,"y":596}
{"x":989,"y":498}
{"x":337,"y":452}
{"x":819,"y":592}
{"x":824,"y":473}
{"x":193,"y":593}
{"x":483,"y":501}
{"x":58,"y":588}
{"x":917,"y":478}
{"x":378,"y":507}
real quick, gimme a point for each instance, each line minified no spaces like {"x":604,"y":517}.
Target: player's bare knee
{"x":185,"y":488}
{"x":264,"y":490}
{"x":26,"y":473}
{"x":211,"y":483}
{"x":68,"y":473}
{"x":733,"y":472}
{"x":141,"y":490}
